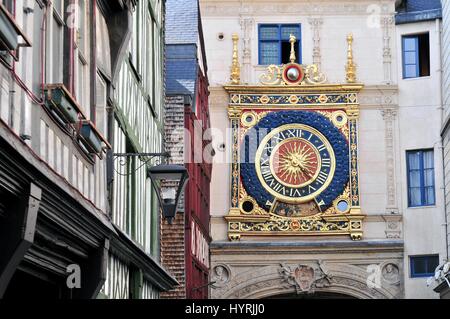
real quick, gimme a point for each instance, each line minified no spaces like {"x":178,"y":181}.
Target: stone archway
{"x":316,"y":295}
{"x":304,"y":279}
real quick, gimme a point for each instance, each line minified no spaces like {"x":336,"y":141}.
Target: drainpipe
{"x":441,"y":119}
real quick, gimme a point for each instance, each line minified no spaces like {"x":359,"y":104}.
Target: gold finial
{"x":351,"y":66}
{"x":292,"y":40}
{"x":235,"y":67}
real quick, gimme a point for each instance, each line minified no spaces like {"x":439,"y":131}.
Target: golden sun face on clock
{"x":295,"y":163}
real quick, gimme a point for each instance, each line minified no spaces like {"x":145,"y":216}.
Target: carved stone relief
{"x":389,"y":116}
{"x":221,"y":275}
{"x":387,"y":23}
{"x":316,"y":24}
{"x":308,"y":278}
{"x":391,"y":273}
{"x":305,"y":278}
{"x":247,"y":29}
{"x":289,"y":8}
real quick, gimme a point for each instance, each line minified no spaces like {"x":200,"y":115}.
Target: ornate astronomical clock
{"x":294,"y":169}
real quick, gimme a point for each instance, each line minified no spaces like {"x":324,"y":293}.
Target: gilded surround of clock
{"x":296,"y":162}
{"x":294,"y":169}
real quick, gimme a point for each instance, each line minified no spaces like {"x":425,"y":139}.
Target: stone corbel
{"x":17,"y":234}
{"x":393,"y":225}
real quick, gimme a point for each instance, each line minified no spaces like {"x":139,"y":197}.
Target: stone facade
{"x":443,"y":289}
{"x":393,"y":120}
{"x":446,"y":100}
{"x":335,"y":267}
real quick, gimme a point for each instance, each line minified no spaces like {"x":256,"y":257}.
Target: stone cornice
{"x":312,"y":247}
{"x":320,"y":7}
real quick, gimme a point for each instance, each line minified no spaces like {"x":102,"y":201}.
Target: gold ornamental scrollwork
{"x":274,"y":75}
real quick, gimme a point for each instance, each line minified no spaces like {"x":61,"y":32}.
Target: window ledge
{"x":417,"y":78}
{"x":59,"y":98}
{"x":92,"y":138}
{"x":422,"y":207}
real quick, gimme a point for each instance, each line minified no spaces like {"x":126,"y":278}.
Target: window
{"x":55,"y":62}
{"x":416,"y":55}
{"x":9,"y":5}
{"x":82,"y":85}
{"x":420,"y":166}
{"x":103,"y":48}
{"x":423,"y":266}
{"x":82,"y":27}
{"x":274,"y":46}
{"x":82,"y":73}
{"x":101,"y":116}
{"x":135,"y":45}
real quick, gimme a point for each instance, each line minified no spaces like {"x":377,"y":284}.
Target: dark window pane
{"x":432,"y":262}
{"x":286,"y":52}
{"x":423,"y":266}
{"x":418,"y":265}
{"x":424,"y":54}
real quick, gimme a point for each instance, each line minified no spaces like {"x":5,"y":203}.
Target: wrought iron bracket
{"x":122,"y":159}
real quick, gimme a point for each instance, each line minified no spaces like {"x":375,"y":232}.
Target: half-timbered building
{"x":76,"y":79}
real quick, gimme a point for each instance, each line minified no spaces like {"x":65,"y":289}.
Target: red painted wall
{"x":197,"y":196}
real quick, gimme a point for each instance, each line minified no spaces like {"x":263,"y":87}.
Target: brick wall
{"x":172,"y":236}
{"x":172,"y":255}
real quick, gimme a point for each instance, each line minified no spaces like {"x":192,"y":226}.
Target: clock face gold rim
{"x":304,"y":190}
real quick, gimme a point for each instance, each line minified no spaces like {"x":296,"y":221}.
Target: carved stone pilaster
{"x":316,"y":24}
{"x":389,"y":115}
{"x":247,"y":29}
{"x":387,"y":23}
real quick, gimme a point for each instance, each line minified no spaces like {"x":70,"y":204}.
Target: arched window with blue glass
{"x":274,"y":46}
